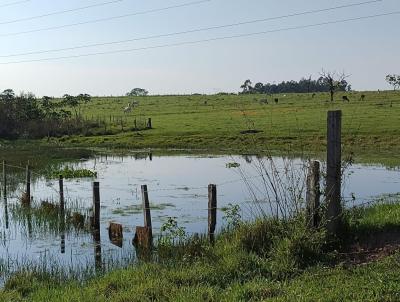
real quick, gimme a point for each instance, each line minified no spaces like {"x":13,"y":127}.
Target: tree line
{"x":324,"y":83}
{"x":25,"y":116}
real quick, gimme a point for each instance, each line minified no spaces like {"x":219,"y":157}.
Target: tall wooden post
{"x":96,"y":206}
{"x":4,"y":180}
{"x":61,"y":187}
{"x":212,"y":211}
{"x":313,"y":195}
{"x":62,"y":215}
{"x":333,"y":178}
{"x":146,"y":207}
{"x":28,"y":183}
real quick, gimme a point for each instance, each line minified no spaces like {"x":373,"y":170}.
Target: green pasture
{"x":220,"y":123}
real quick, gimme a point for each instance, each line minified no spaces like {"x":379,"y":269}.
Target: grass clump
{"x":70,"y":172}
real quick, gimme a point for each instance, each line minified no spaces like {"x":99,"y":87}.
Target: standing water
{"x":177,"y":187}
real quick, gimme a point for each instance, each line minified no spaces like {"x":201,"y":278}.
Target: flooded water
{"x":177,"y":188}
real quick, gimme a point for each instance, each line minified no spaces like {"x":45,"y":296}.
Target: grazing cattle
{"x":363,"y":97}
{"x":345,"y":98}
{"x":128,"y":108}
{"x":313,"y":95}
{"x":276,"y":101}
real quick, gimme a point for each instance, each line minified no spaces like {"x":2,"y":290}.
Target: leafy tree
{"x":71,"y":101}
{"x":393,"y":80}
{"x":138,"y":92}
{"x":84,"y":98}
{"x":7,"y":95}
{"x":247,"y":87}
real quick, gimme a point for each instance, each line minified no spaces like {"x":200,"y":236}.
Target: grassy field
{"x":262,"y":261}
{"x":214,"y":123}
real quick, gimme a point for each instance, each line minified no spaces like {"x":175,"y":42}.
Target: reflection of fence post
{"x":96,"y":206}
{"x":4,"y":180}
{"x":212,"y":211}
{"x":333,"y":178}
{"x":313,"y":195}
{"x":28,"y":183}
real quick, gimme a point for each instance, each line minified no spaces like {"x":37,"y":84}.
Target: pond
{"x":177,"y":187}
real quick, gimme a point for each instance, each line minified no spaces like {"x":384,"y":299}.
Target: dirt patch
{"x":251,"y":131}
{"x":371,"y":248}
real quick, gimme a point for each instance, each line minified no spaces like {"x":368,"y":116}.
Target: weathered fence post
{"x":96,"y":225}
{"x":212,"y":211}
{"x":62,"y":216}
{"x":96,"y":206}
{"x":144,"y":235}
{"x":4,"y":180}
{"x":28,"y":184}
{"x":333,"y":178}
{"x":146,"y":207}
{"x":313,"y":195}
{"x":61,"y":186}
{"x":149,"y":126}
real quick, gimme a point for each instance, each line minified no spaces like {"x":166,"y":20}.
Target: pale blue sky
{"x":367,"y":49}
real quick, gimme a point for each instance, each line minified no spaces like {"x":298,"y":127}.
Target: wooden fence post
{"x":313,"y":195}
{"x":61,"y":186}
{"x":4,"y":180}
{"x":96,"y":206}
{"x":28,"y":184}
{"x":146,"y":207}
{"x":149,"y":126}
{"x":212,"y":211}
{"x":144,"y":235}
{"x":333,"y":178}
{"x":62,"y":211}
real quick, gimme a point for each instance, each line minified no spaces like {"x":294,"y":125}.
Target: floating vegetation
{"x":138,"y":209}
{"x":69,"y":172}
{"x":46,"y":217}
{"x":232,"y":165}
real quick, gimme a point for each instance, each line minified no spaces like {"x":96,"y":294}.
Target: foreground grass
{"x":296,"y":122}
{"x":262,"y":261}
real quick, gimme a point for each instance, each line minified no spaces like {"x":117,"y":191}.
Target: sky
{"x":367,"y":50}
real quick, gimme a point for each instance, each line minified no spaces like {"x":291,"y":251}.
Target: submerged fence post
{"x":212,"y":211}
{"x":313,"y":195}
{"x":96,"y":206}
{"x":333,"y":177}
{"x":4,"y":181}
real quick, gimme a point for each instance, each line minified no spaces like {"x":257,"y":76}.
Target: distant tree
{"x":71,"y":101}
{"x":84,"y":98}
{"x":7,"y":95}
{"x":246,"y":87}
{"x":393,"y":80}
{"x":334,"y":81}
{"x":138,"y":92}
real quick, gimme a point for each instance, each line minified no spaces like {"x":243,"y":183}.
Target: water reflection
{"x":177,"y":187}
